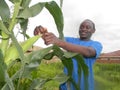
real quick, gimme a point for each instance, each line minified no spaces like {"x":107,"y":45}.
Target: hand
{"x":50,"y":38}
{"x":39,"y":30}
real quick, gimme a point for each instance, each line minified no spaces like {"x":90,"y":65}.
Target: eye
{"x":88,"y":27}
{"x":82,"y":27}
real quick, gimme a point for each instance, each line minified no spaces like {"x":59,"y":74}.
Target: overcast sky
{"x":104,"y":13}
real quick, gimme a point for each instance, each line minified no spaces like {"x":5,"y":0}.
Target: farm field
{"x":107,"y":76}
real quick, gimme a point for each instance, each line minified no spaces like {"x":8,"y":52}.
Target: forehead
{"x":87,"y":22}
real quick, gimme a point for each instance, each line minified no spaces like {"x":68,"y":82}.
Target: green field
{"x":49,"y":70}
{"x":107,"y":76}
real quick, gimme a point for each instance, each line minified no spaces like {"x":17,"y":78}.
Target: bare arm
{"x":83,"y":50}
{"x":50,"y":38}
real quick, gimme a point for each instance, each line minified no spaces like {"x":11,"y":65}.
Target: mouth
{"x":83,"y":33}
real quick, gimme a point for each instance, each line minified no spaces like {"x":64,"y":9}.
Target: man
{"x":84,"y":45}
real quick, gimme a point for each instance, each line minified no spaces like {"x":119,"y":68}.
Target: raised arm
{"x":50,"y":38}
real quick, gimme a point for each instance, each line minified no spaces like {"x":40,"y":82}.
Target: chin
{"x":83,"y":37}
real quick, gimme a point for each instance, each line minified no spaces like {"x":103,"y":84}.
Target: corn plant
{"x":12,"y":51}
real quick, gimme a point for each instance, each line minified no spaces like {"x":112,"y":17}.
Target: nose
{"x":83,"y":29}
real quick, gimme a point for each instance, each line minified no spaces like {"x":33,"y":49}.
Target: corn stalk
{"x":14,"y":52}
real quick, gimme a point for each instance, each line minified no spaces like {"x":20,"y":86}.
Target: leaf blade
{"x":9,"y":56}
{"x":56,"y":12}
{"x":4,"y":11}
{"x":32,"y":11}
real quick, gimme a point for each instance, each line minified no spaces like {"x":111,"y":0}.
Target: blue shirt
{"x":88,"y":61}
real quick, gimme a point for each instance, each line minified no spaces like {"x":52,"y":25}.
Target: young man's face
{"x":86,"y":30}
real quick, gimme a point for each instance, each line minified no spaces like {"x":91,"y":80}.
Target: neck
{"x":85,"y":39}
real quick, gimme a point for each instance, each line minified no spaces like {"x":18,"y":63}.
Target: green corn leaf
{"x":4,"y":28}
{"x":38,"y":83}
{"x":32,"y":11}
{"x":23,"y":24}
{"x":2,"y":68}
{"x":69,"y":54}
{"x":14,"y":19}
{"x":49,"y":56}
{"x":25,"y":3}
{"x":9,"y":82}
{"x":34,"y":59}
{"x":81,"y":64}
{"x":29,"y":43}
{"x":4,"y":77}
{"x":67,"y":62}
{"x":77,"y":87}
{"x":12,"y":53}
{"x":4,"y":11}
{"x":14,"y":1}
{"x":5,"y":37}
{"x":32,"y":62}
{"x":58,"y":52}
{"x":39,"y":54}
{"x":56,"y":12}
{"x":82,"y":67}
{"x":61,"y":78}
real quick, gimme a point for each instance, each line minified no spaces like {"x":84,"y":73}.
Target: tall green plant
{"x":13,"y":52}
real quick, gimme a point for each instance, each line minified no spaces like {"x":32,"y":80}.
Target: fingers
{"x":40,"y":30}
{"x":36,"y":31}
{"x":49,"y":38}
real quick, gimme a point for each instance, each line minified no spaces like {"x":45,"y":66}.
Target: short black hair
{"x":91,"y":22}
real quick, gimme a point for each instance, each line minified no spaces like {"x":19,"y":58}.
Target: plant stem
{"x":22,"y":57}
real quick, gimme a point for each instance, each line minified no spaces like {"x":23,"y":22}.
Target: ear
{"x":93,"y":31}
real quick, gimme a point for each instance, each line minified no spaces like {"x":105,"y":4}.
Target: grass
{"x":107,"y":76}
{"x":102,"y":84}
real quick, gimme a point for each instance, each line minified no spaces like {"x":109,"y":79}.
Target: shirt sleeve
{"x":98,"y":48}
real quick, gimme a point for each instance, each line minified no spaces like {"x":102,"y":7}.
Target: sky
{"x":104,"y":13}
